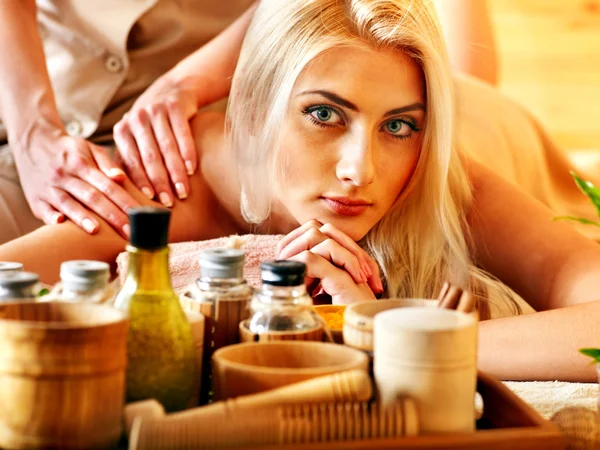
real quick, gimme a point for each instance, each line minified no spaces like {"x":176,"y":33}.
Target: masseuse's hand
{"x":331,"y":253}
{"x":66,"y":177}
{"x":155,"y":141}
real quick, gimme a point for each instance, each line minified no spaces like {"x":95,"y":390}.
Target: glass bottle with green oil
{"x":160,"y":349}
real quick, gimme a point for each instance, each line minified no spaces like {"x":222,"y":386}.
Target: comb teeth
{"x":344,"y":421}
{"x":290,"y":424}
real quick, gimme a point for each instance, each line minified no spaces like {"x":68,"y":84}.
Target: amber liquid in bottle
{"x":160,"y":348}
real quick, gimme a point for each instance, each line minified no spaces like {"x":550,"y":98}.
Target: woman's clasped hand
{"x":336,"y":265}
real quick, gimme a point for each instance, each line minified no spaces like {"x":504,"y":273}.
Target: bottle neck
{"x":284,"y":293}
{"x":149,"y":268}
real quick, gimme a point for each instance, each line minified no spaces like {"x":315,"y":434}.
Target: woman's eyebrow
{"x":412,"y":107}
{"x":347,"y":104}
{"x":333,"y":97}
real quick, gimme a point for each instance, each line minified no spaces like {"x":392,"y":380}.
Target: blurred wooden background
{"x":549,"y":54}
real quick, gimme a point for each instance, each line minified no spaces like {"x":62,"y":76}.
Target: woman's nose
{"x":355,"y":164}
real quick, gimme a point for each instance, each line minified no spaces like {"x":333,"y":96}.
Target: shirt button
{"x":113,"y":64}
{"x":74,"y":128}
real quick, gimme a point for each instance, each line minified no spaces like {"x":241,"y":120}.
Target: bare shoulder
{"x":516,"y":239}
{"x":203,"y":214}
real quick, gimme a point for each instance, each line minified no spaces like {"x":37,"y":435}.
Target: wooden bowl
{"x":253,"y":367}
{"x":62,"y":375}
{"x":333,"y":315}
{"x":358,"y":319}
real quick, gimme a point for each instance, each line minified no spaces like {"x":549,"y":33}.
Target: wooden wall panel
{"x":550,"y":62}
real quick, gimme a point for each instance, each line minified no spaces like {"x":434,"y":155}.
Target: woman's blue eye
{"x":323,"y":115}
{"x":400,"y":128}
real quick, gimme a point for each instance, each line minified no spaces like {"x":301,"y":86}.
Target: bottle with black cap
{"x":160,"y":348}
{"x":282,"y":304}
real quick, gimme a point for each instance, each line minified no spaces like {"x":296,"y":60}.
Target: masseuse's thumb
{"x":110,"y":168}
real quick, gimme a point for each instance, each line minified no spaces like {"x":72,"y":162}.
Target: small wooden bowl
{"x":62,"y":375}
{"x":329,"y":311}
{"x":358,"y":319}
{"x":253,"y":367}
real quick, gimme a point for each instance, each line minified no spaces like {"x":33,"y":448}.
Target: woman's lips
{"x":346,"y":207}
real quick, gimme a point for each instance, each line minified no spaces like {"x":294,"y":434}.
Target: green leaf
{"x":588,"y":188}
{"x":591,"y":352}
{"x":577,"y":219}
{"x":43,"y":291}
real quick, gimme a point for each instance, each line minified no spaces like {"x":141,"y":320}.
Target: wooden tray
{"x":507,"y":423}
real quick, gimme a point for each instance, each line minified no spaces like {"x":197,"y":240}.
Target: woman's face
{"x":351,"y":138}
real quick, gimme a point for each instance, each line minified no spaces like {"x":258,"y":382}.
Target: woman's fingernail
{"x":116,"y":173}
{"x":127,"y":230}
{"x":148,"y":192}
{"x":89,"y":225}
{"x":380,"y":285}
{"x":181,"y":191}
{"x":363,"y":275}
{"x":165,"y":199}
{"x":189,"y":167}
{"x":57,"y":218}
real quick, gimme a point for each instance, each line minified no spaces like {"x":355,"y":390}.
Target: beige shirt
{"x":102,"y":54}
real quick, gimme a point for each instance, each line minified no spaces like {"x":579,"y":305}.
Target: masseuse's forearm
{"x":541,"y":346}
{"x":26,"y":96}
{"x":469,"y":35}
{"x":214,"y":63}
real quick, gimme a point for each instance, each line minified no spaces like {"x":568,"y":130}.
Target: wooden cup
{"x":430,"y":355}
{"x":358,"y":319}
{"x":253,"y":367}
{"x":62,"y":375}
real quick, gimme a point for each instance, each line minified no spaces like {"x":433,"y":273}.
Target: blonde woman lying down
{"x":341,"y":125}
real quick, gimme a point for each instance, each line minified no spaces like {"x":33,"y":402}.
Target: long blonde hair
{"x":422,"y":240}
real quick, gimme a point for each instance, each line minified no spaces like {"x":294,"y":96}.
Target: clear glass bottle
{"x":160,"y":348}
{"x":18,"y":286}
{"x":282,"y":304}
{"x":9,"y":266}
{"x":222,"y":294}
{"x":83,"y":281}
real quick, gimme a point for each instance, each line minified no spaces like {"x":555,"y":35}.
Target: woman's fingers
{"x":183,"y":135}
{"x":167,"y":144}
{"x":340,"y":257}
{"x":289,"y":238}
{"x":335,"y":281}
{"x":368,"y":264}
{"x":130,"y":157}
{"x":150,"y":154}
{"x":313,"y":233}
{"x":72,"y":209}
{"x":48,"y":214}
{"x":313,"y":240}
{"x":95,"y":200}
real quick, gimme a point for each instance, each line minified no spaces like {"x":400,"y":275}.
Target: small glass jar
{"x":18,"y":286}
{"x":282,"y":304}
{"x":83,"y":281}
{"x":221,"y":294}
